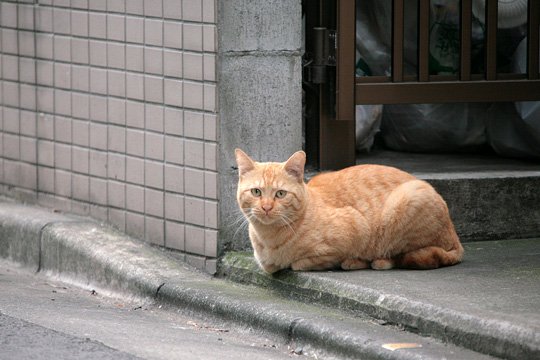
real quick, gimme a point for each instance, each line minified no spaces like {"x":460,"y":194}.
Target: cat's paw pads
{"x":354,"y":264}
{"x":382,"y":264}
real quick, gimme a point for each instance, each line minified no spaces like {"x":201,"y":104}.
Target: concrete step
{"x":490,"y":303}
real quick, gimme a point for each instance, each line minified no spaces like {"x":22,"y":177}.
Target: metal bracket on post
{"x":324,"y":54}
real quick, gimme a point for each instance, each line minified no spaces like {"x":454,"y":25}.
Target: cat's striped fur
{"x":362,"y":216}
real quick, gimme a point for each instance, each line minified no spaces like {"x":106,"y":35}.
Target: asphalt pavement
{"x":43,"y":318}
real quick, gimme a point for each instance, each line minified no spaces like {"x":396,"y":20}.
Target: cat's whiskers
{"x":243,"y":219}
{"x":288,"y":222}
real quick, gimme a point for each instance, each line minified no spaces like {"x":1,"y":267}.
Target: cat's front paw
{"x":382,"y":264}
{"x":314,"y":263}
{"x":354,"y":264}
{"x":269,"y":268}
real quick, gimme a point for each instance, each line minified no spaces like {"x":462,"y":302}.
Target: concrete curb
{"x":498,"y":338}
{"x":93,"y":254}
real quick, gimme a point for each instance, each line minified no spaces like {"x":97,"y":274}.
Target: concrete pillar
{"x":260,"y":94}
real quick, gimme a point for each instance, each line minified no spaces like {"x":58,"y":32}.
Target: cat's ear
{"x":295,"y":165}
{"x":244,"y":162}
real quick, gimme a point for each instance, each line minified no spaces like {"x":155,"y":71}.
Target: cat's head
{"x":270,"y":192}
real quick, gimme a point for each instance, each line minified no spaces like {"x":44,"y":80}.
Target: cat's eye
{"x":256,"y":192}
{"x":280,"y":194}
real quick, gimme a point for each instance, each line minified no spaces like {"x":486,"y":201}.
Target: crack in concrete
{"x":157,"y":290}
{"x":40,"y":249}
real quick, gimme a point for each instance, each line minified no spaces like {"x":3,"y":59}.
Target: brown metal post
{"x":533,"y":39}
{"x":337,"y":107}
{"x":466,"y":34}
{"x":398,"y":13}
{"x":346,"y":59}
{"x":423,"y":40}
{"x":491,"y":39}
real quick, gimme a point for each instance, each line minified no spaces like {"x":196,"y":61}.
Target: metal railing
{"x":425,"y":88}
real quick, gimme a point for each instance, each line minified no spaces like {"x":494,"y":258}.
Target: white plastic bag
{"x":514,"y":129}
{"x":434,"y":127}
{"x":368,"y":123}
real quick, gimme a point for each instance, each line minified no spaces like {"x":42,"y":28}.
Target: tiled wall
{"x":108,"y":109}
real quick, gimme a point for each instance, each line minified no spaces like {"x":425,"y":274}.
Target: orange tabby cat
{"x":361,"y":216}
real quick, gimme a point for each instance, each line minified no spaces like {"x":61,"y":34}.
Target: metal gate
{"x":333,"y":90}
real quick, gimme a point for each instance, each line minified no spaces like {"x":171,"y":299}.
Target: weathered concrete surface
{"x":489,"y":303}
{"x":259,"y":25}
{"x":266,"y":122}
{"x":259,"y":93}
{"x":25,"y":224}
{"x":489,"y":207}
{"x":98,"y":257}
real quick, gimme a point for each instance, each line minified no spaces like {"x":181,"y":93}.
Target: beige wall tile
{"x":97,"y":25}
{"x":116,"y":139}
{"x":174,"y":233}
{"x":174,"y":121}
{"x":173,"y":92}
{"x":153,"y":174}
{"x":153,"y":32}
{"x":174,"y":149}
{"x":174,"y":178}
{"x":194,"y":241}
{"x":193,"y":66}
{"x":172,"y":63}
{"x":194,"y":182}
{"x":135,"y":170}
{"x":79,"y":23}
{"x":116,"y":27}
{"x":193,"y":95}
{"x":62,"y":21}
{"x":116,"y":5}
{"x":194,"y":153}
{"x":98,"y":191}
{"x":116,"y":57}
{"x":134,"y":58}
{"x":192,"y":10}
{"x":116,"y":168}
{"x":193,"y":37}
{"x":134,"y":29}
{"x":154,"y":146}
{"x":135,"y":142}
{"x":174,"y":207}
{"x":62,"y":183}
{"x":172,"y":34}
{"x":80,"y":50}
{"x":153,"y":8}
{"x":194,"y":124}
{"x":154,"y":230}
{"x":62,"y":158}
{"x":153,"y":202}
{"x":81,"y":159}
{"x":116,"y":195}
{"x":135,"y":198}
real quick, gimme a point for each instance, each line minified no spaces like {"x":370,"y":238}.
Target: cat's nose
{"x":267,"y":208}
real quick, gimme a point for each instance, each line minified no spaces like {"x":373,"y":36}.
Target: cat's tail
{"x":430,"y":257}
